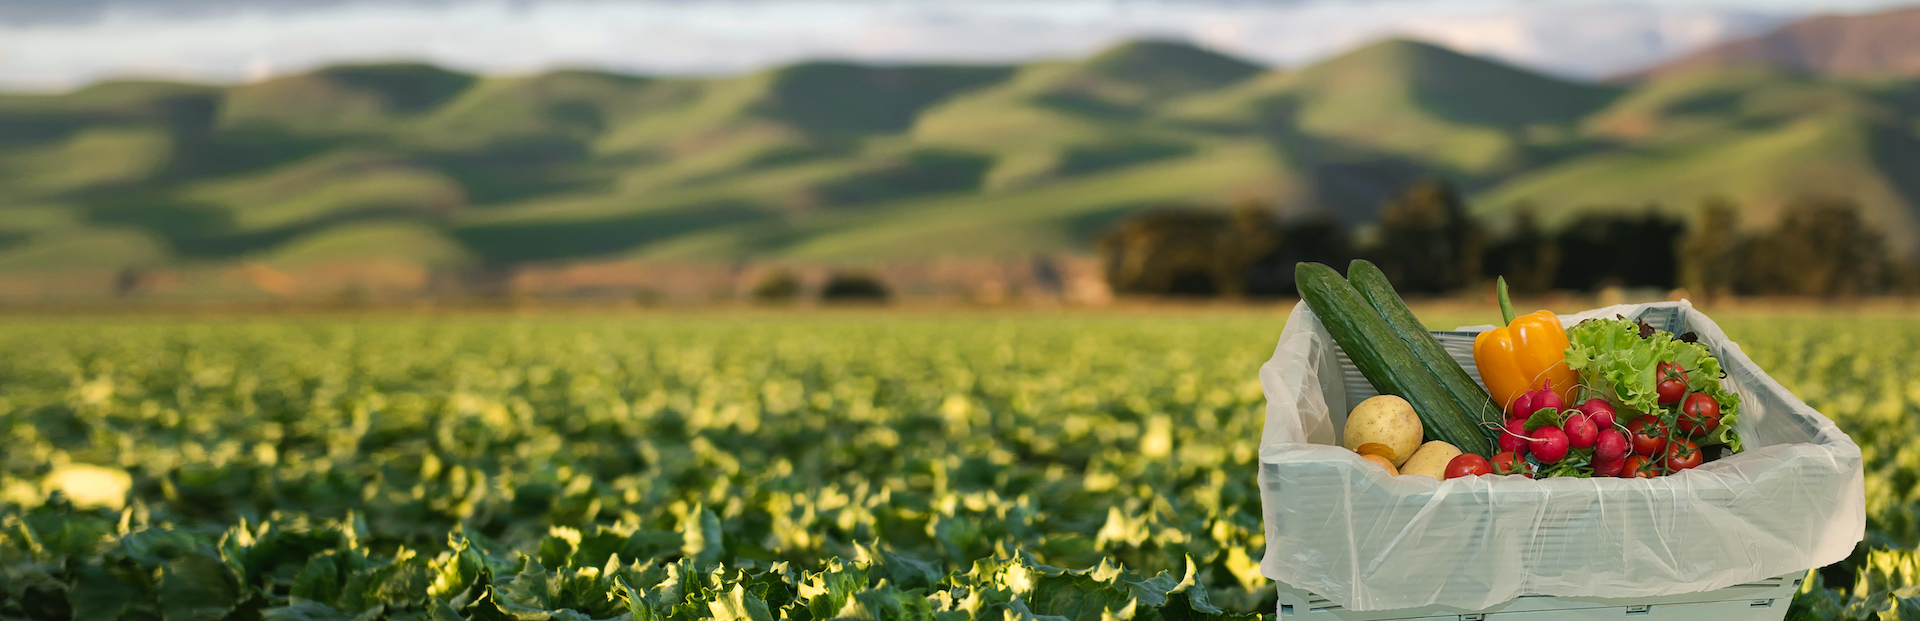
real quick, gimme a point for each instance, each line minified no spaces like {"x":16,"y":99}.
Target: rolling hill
{"x":420,"y":166}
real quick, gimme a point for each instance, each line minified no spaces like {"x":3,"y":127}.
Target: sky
{"x":53,"y":45}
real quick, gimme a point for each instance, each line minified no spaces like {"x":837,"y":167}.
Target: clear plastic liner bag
{"x":1346,"y":530}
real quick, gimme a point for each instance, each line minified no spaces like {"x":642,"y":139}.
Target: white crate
{"x":1700,"y":544}
{"x":1760,"y":601}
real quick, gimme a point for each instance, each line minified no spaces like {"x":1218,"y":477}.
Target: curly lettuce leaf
{"x":1616,"y":363}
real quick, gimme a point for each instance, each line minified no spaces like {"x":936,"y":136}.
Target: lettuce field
{"x":760,"y":467}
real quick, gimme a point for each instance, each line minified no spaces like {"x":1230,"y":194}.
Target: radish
{"x":1580,"y":429}
{"x":1534,"y":401}
{"x":1545,"y":398}
{"x":1523,"y":405}
{"x":1514,"y":437}
{"x":1600,"y":410}
{"x":1609,"y":468}
{"x":1549,"y":445}
{"x":1611,"y":445}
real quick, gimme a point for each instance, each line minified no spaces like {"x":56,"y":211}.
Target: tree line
{"x":1427,"y":243}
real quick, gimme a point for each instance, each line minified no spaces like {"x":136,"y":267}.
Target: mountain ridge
{"x":835,"y":161}
{"x":1878,"y":44}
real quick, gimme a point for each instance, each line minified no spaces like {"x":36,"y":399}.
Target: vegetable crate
{"x":1766,"y":600}
{"x":1730,"y":539}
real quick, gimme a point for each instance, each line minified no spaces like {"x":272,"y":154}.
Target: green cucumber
{"x":1468,"y":394}
{"x":1383,"y":358}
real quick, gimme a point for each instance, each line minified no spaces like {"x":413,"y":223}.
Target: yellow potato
{"x":1383,"y":463}
{"x":1431,"y":460}
{"x":1387,"y":420}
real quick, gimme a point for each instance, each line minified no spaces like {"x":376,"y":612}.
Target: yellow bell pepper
{"x":1527,"y":354}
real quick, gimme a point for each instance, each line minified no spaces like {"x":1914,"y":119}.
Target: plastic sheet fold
{"x":1344,"y":529}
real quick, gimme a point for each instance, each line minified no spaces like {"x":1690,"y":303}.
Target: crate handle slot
{"x":1640,"y":609}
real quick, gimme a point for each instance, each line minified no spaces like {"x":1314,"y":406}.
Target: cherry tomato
{"x":1647,"y":435}
{"x":1700,"y":415}
{"x":1670,"y":370}
{"x":1508,"y":462}
{"x":1468,"y":464}
{"x":1683,"y":454}
{"x":1672,"y":382}
{"x":1639,"y":467}
{"x":1670,"y":391}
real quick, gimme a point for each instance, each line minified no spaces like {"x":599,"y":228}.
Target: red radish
{"x":1581,"y":432}
{"x":1536,"y":400}
{"x":1523,"y":405}
{"x":1545,"y":398}
{"x":1514,"y":438}
{"x":1549,"y":445}
{"x":1507,"y":462}
{"x":1466,"y":465}
{"x":1600,"y":410}
{"x":1611,"y":445}
{"x":1609,"y":468}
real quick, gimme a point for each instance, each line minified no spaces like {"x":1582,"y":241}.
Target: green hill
{"x":1756,"y":136}
{"x":419,"y":165}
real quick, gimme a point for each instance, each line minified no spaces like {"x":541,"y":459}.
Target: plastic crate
{"x":1557,"y":543}
{"x":1759,"y":601}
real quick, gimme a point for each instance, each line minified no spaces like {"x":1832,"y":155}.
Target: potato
{"x":1431,"y":460}
{"x":1386,"y":420}
{"x":1383,"y":463}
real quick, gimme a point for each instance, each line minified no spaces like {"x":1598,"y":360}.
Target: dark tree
{"x":1610,"y":248}
{"x":1427,"y":242}
{"x":1317,"y":239}
{"x":1820,"y":247}
{"x":1709,"y":255}
{"x":1527,"y":257}
{"x":1168,"y":251}
{"x":853,"y":287}
{"x":776,"y":287}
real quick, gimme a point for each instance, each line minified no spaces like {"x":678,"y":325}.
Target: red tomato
{"x":1639,"y":467}
{"x":1648,"y":436}
{"x":1508,"y":462}
{"x":1671,"y":382}
{"x":1670,"y":391}
{"x":1468,"y":464}
{"x":1683,"y":454}
{"x":1700,"y":415}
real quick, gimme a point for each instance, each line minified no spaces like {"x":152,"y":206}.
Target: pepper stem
{"x":1506,"y":305}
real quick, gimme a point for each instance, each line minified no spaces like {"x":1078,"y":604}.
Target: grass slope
{"x":836,"y":161}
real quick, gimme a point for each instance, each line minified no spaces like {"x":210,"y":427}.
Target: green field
{"x":739,"y":466}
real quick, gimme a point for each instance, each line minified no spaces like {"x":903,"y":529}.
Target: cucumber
{"x":1468,"y":394}
{"x":1383,"y":358}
